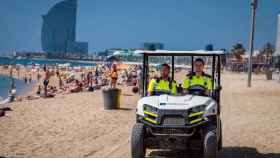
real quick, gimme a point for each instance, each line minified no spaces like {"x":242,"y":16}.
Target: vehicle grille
{"x":171,"y":131}
{"x":173,"y":120}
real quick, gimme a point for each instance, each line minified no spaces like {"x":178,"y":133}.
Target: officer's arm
{"x":151,"y":87}
{"x":209,"y":86}
{"x":174,"y":88}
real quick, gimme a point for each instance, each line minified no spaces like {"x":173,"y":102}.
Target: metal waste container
{"x":111,"y":98}
{"x":2,"y":113}
{"x":269,"y":74}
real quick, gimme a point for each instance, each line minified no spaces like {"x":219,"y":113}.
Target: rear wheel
{"x":138,"y":148}
{"x":220,"y":143}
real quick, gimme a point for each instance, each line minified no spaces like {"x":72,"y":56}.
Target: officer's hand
{"x":185,"y":92}
{"x":207,"y":92}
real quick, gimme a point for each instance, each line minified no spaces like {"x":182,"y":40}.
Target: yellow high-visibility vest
{"x":194,"y":80}
{"x":161,"y":85}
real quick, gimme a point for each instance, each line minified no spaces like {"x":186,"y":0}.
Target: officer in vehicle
{"x":198,"y":78}
{"x":163,"y":84}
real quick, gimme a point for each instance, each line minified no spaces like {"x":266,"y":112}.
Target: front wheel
{"x":138,"y":148}
{"x":210,"y":145}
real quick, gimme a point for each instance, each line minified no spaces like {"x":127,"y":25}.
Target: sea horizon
{"x":44,"y":61}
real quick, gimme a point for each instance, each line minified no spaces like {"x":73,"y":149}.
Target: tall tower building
{"x":59,"y":29}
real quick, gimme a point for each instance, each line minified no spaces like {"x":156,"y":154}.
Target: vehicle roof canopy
{"x":181,"y":53}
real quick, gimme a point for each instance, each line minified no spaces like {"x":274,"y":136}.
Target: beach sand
{"x":76,"y":126}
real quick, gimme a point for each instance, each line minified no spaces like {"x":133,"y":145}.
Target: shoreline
{"x":23,"y":89}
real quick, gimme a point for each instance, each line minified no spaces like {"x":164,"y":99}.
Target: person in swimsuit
{"x":114,"y":76}
{"x":46,"y":81}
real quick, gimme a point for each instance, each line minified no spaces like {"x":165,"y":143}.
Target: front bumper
{"x":147,"y":123}
{"x":172,"y":130}
{"x":174,"y":136}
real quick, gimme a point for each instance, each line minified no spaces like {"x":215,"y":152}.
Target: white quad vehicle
{"x":181,"y":122}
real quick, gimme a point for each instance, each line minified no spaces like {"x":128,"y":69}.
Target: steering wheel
{"x":157,"y":93}
{"x":197,"y":90}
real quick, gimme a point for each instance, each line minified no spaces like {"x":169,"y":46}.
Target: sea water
{"x":8,"y":61}
{"x":21,"y":86}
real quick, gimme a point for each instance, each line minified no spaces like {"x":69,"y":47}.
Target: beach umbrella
{"x":117,"y":53}
{"x":122,"y":66}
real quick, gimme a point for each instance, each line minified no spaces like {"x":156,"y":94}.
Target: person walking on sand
{"x":25,"y":78}
{"x":46,"y":80}
{"x":114,"y":76}
{"x":30,"y":77}
{"x":38,"y":74}
{"x":18,"y":70}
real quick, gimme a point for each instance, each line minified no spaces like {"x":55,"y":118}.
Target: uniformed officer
{"x":198,"y":78}
{"x":163,"y":84}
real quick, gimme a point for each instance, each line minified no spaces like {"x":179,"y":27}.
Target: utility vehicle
{"x":179,"y":122}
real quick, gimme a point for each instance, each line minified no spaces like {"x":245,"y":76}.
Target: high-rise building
{"x":59,"y":29}
{"x":277,"y":45}
{"x":153,"y":46}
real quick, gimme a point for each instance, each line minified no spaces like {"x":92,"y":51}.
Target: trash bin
{"x":2,"y":113}
{"x":111,"y":98}
{"x":269,"y":75}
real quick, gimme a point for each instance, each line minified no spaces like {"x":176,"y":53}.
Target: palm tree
{"x":267,"y":51}
{"x":238,"y":50}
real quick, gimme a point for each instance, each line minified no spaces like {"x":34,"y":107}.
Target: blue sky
{"x":179,"y":24}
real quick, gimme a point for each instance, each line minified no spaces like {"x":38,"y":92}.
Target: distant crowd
{"x":79,"y":80}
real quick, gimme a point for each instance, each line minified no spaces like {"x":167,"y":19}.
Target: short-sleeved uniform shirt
{"x":162,"y":86}
{"x":194,"y":80}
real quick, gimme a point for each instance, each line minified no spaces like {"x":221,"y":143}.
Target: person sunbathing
{"x":11,"y":97}
{"x":78,"y":87}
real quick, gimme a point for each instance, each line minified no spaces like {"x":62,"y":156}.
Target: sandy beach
{"x":76,"y":126}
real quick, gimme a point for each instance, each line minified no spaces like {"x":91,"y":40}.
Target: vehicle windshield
{"x":189,"y":77}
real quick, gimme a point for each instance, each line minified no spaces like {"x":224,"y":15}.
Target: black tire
{"x":138,"y":149}
{"x":220,"y":142}
{"x":210,"y":146}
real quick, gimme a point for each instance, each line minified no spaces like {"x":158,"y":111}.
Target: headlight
{"x":150,"y":113}
{"x":196,"y":114}
{"x":200,"y":108}
{"x":150,"y":108}
{"x":211,"y":110}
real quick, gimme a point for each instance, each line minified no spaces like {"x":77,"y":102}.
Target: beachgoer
{"x":46,"y":81}
{"x":25,"y":78}
{"x":18,"y":70}
{"x":38,"y":75}
{"x":57,"y":72}
{"x":11,"y":97}
{"x":39,"y":90}
{"x":78,"y":87}
{"x":114,"y":76}
{"x":30,"y":77}
{"x":89,"y":79}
